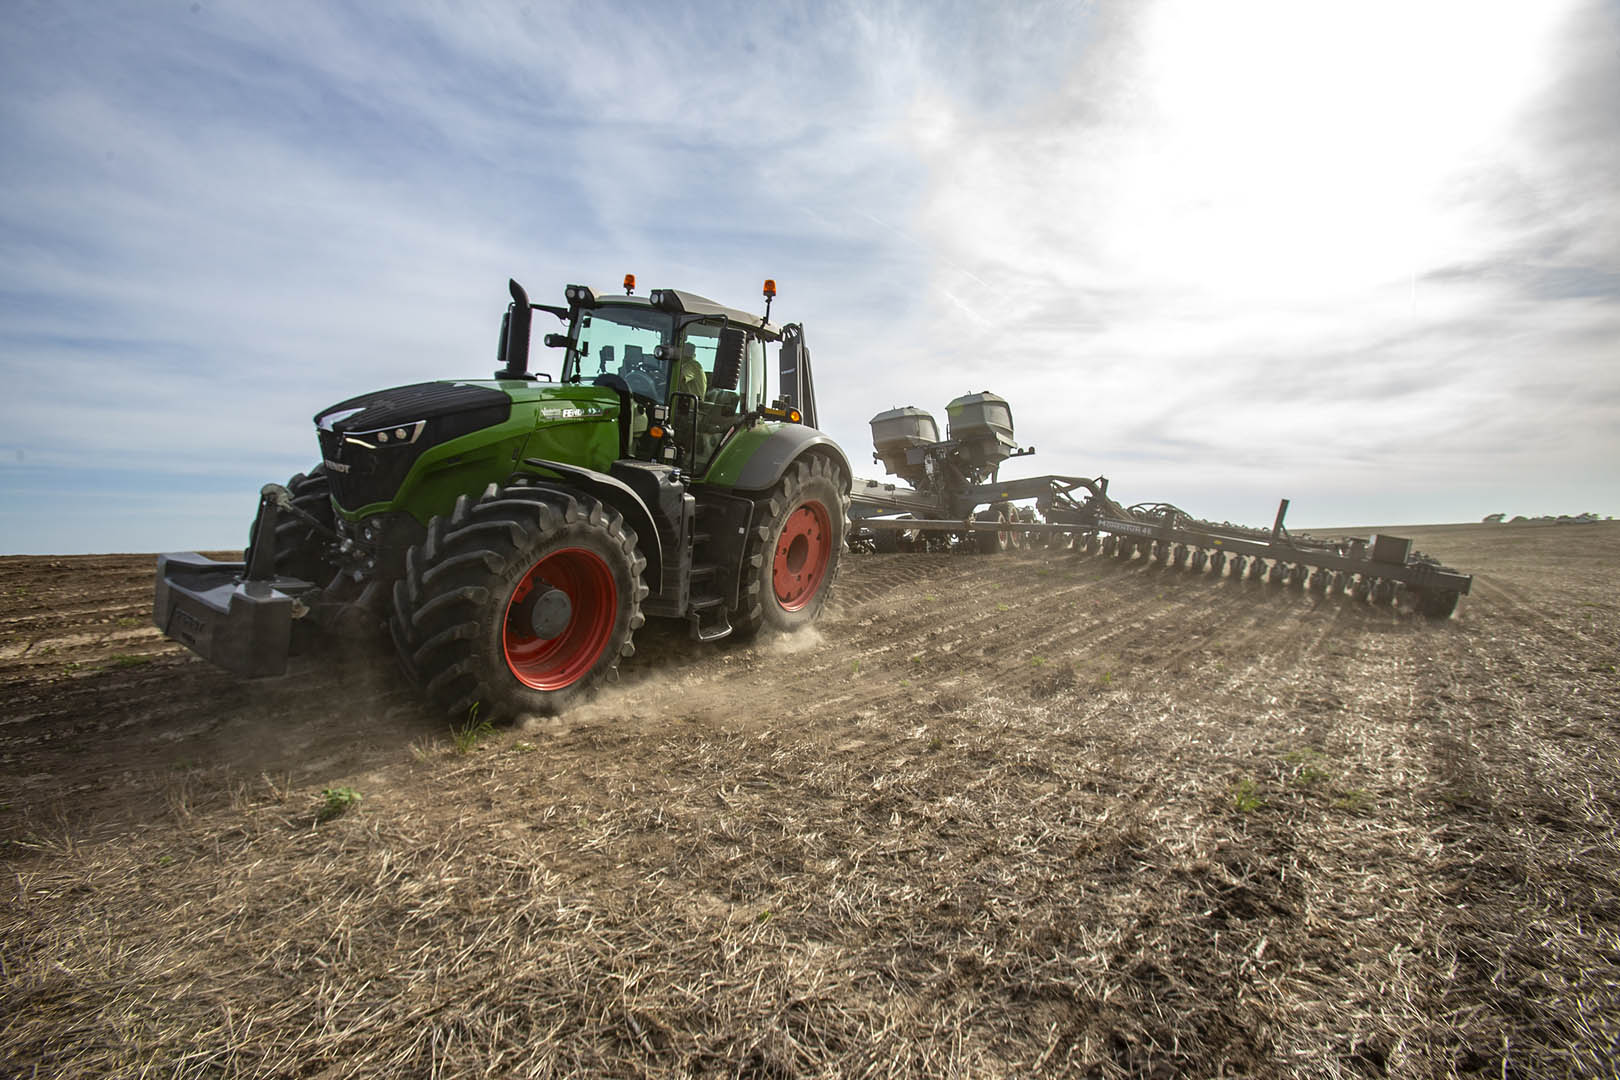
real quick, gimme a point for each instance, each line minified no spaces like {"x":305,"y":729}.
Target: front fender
{"x":619,"y":495}
{"x":755,"y":459}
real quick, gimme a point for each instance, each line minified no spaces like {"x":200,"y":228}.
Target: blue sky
{"x":1366,"y":256}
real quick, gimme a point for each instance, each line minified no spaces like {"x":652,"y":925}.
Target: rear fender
{"x":755,"y":459}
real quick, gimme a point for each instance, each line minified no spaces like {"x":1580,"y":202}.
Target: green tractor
{"x":515,"y":532}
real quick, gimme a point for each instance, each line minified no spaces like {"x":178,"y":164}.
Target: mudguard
{"x":619,"y":495}
{"x":754,"y":460}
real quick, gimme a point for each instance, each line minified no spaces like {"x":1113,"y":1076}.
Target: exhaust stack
{"x":514,"y":348}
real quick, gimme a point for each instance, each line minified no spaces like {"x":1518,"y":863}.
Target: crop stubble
{"x":1040,"y":815}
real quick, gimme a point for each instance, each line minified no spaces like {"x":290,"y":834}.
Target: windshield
{"x":619,"y":340}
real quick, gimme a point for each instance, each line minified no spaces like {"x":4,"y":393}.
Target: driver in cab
{"x":690,"y":378}
{"x":646,"y":369}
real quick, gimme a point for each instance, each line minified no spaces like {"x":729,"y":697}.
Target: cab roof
{"x":689,"y":303}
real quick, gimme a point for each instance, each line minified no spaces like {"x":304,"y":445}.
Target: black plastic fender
{"x":785,"y":446}
{"x":619,"y":495}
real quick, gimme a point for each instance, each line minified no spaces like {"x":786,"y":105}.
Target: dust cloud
{"x":799,"y":641}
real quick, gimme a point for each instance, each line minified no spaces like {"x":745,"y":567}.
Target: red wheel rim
{"x":554,"y":663}
{"x":802,"y":552}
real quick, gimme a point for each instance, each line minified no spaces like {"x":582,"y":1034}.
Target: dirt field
{"x":1041,"y":815}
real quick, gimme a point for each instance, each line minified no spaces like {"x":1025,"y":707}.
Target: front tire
{"x":791,"y":559}
{"x":520,"y":602}
{"x":300,"y":548}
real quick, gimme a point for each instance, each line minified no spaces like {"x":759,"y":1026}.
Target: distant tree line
{"x":1561,"y":519}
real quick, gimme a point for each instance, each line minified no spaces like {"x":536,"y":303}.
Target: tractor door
{"x":718,"y":408}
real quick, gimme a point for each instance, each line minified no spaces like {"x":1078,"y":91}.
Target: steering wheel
{"x":642,"y":379}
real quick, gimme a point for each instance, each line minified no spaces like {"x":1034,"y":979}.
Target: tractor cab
{"x":686,"y":368}
{"x":685,"y":391}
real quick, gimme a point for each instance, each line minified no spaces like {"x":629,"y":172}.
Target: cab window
{"x":703,"y":346}
{"x":753,"y":375}
{"x":718,"y":409}
{"x":694,"y":374}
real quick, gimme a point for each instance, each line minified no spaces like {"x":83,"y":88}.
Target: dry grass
{"x":1214,"y":832}
{"x":997,"y":892}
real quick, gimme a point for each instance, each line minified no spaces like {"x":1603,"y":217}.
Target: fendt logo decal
{"x":561,"y":413}
{"x":333,"y":466}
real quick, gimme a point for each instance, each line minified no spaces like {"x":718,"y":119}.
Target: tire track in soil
{"x":1166,"y":608}
{"x":853,"y":669}
{"x":1511,"y":834}
{"x":998,"y":610}
{"x":1218,"y":617}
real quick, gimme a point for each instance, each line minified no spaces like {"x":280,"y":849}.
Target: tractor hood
{"x":370,"y":442}
{"x":372,"y":415}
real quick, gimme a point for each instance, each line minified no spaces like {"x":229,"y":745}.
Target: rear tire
{"x":791,"y":560}
{"x":521,"y":601}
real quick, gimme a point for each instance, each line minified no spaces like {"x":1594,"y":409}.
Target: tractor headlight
{"x":396,"y":435}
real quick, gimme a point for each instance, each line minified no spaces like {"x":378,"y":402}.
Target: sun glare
{"x":1292,"y":150}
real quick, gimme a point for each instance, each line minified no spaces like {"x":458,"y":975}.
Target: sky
{"x":1365,"y":256}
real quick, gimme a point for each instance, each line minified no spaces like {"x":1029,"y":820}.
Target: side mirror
{"x":728,"y":359}
{"x":559,"y":341}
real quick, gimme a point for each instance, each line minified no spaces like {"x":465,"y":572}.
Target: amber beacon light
{"x":629,"y":284}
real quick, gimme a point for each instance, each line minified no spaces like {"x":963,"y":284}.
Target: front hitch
{"x":275,"y":500}
{"x":237,"y":615}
